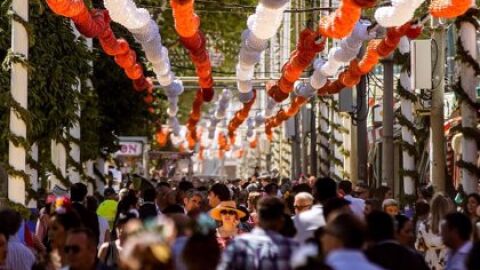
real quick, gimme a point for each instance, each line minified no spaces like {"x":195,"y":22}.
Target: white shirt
{"x":456,"y":261}
{"x":307,"y":222}
{"x":348,"y":259}
{"x":356,"y":204}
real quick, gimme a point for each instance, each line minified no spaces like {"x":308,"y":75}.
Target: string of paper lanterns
{"x":398,"y":14}
{"x":220,"y":111}
{"x":262,"y":26}
{"x":193,"y":120}
{"x":449,"y":8}
{"x":341,"y":23}
{"x":239,"y":117}
{"x":145,"y":31}
{"x":187,"y":25}
{"x":309,"y":44}
{"x":96,"y":24}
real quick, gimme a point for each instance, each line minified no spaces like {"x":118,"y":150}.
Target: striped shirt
{"x":19,"y":256}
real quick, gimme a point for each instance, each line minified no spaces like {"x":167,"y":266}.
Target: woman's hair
{"x":69,"y":219}
{"x":465,"y":203}
{"x":440,"y":207}
{"x":194,"y":253}
{"x":400,"y":221}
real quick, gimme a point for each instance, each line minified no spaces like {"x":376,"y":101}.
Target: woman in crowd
{"x":404,"y":231}
{"x":63,"y":219}
{"x":429,"y":240}
{"x":109,"y":251}
{"x":3,"y":250}
{"x":472,"y":203}
{"x":229,"y":216}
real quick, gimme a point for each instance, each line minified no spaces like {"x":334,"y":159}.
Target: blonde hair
{"x":440,"y":206}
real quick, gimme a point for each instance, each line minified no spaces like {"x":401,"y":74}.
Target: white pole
{"x":468,"y":37}
{"x":19,"y":91}
{"x":33,"y":173}
{"x":407,"y":135}
{"x":347,"y":146}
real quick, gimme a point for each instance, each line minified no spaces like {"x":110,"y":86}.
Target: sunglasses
{"x":301,"y":206}
{"x":71,"y":249}
{"x":228,"y":212}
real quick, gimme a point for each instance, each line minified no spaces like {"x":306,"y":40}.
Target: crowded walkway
{"x":250,"y":223}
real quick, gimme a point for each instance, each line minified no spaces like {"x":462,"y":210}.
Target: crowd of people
{"x":259,"y":223}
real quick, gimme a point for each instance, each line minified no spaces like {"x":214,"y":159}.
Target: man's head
{"x":334,"y":207}
{"x":325,"y":188}
{"x":456,"y":229}
{"x":192,"y":200}
{"x":362,"y":191}
{"x":391,"y":207}
{"x":218,"y":193}
{"x":78,"y":192}
{"x":270,"y":212}
{"x":303,"y":202}
{"x":271,"y":189}
{"x":311,"y":180}
{"x":109,"y":194}
{"x":80,"y":249}
{"x":343,"y":232}
{"x":380,"y":226}
{"x":149,"y":195}
{"x":163,"y":189}
{"x":345,"y":186}
{"x":10,"y":222}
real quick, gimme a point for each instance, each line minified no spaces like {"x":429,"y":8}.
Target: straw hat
{"x":225,"y":205}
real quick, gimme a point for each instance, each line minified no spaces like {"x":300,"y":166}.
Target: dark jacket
{"x":147,"y":210}
{"x":392,"y":256}
{"x":89,"y":219}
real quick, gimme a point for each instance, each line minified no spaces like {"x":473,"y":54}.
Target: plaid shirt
{"x":259,"y":249}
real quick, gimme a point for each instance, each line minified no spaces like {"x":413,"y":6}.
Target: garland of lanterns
{"x":239,"y":117}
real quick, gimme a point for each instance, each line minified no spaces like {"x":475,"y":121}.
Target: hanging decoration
{"x":193,"y":120}
{"x":220,"y":111}
{"x":161,"y":136}
{"x":401,"y":12}
{"x":239,"y":117}
{"x":341,"y":23}
{"x":262,"y":26}
{"x":187,"y":25}
{"x":96,"y":24}
{"x":309,"y":44}
{"x":449,"y":8}
{"x":145,"y":31}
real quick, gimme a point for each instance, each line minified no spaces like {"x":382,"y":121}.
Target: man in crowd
{"x":148,"y":209}
{"x":161,"y":201}
{"x":385,"y":250}
{"x":218,"y":193}
{"x":19,"y":256}
{"x":192,"y":201}
{"x":342,"y":241}
{"x":456,"y":230}
{"x":78,"y":193}
{"x":303,"y":202}
{"x":309,"y":221}
{"x":357,"y":204}
{"x":108,"y":208}
{"x":264,"y":247}
{"x":81,"y":251}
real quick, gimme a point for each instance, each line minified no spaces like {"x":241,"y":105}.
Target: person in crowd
{"x":78,"y":193}
{"x":456,"y":233}
{"x":103,"y":226}
{"x":473,"y":260}
{"x":362,"y":191}
{"x":470,"y":209}
{"x":183,"y":226}
{"x":429,"y":240}
{"x":404,"y":231}
{"x":384,"y":250}
{"x":109,"y":251}
{"x":311,"y":180}
{"x":163,"y":189}
{"x":81,"y":251}
{"x":391,"y":207}
{"x":303,"y":202}
{"x":357,"y":204}
{"x":183,"y":187}
{"x":382,"y":193}
{"x":19,"y":256}
{"x":41,"y":227}
{"x":264,"y":247}
{"x":271,"y":189}
{"x":63,"y":219}
{"x":372,"y":205}
{"x":336,"y":206}
{"x":108,"y":207}
{"x":229,"y":216}
{"x":308,"y":221}
{"x":3,"y":250}
{"x":192,"y":201}
{"x":422,"y":211}
{"x":123,"y":193}
{"x":342,"y":241}
{"x":253,"y":198}
{"x":148,"y":209}
{"x":217,"y":193}
{"x":203,"y":238}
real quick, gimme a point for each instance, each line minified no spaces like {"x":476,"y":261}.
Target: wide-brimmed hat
{"x":225,"y":205}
